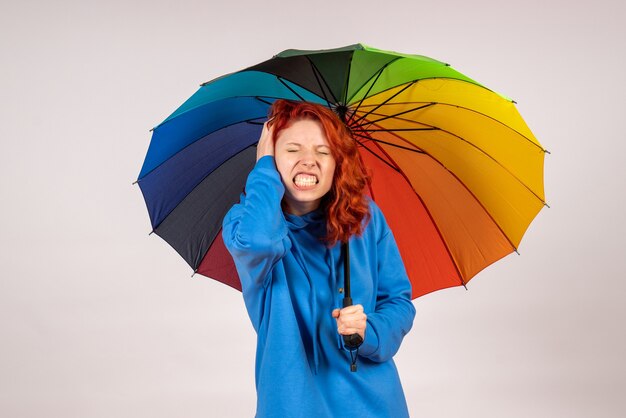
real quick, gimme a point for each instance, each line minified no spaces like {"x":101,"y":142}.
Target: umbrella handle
{"x":353,"y":341}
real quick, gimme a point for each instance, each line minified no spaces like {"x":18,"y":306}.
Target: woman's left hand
{"x":351,"y":320}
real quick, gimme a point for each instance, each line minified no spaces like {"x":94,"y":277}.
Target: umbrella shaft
{"x":345,"y":250}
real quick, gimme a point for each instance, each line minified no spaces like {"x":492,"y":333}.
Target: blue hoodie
{"x":292,"y":281}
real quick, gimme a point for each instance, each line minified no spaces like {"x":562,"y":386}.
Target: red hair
{"x":345,"y":204}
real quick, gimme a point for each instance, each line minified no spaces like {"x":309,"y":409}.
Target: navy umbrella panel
{"x":166,"y":186}
{"x":188,"y":192}
{"x":191,"y":226}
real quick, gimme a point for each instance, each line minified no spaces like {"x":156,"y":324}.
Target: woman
{"x":306,"y":195}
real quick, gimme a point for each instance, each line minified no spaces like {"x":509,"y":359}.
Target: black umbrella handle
{"x":353,"y":341}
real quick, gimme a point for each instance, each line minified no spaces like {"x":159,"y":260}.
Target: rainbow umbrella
{"x":455,"y":169}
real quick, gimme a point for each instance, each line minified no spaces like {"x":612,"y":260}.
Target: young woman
{"x":304,"y":197}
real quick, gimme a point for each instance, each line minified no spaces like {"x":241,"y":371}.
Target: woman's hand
{"x":266,"y":142}
{"x":351,"y":320}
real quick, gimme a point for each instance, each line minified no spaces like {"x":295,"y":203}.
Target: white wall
{"x":99,"y":320}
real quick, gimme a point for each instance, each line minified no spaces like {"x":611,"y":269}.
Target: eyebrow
{"x":299,"y":145}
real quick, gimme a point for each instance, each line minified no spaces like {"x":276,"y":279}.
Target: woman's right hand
{"x":266,"y":142}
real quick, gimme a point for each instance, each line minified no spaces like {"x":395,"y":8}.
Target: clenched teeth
{"x":305,"y":180}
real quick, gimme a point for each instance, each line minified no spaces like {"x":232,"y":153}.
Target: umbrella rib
{"x":393,"y":116}
{"x":501,"y":123}
{"x":344,"y":94}
{"x":469,"y":110}
{"x":380,"y":141}
{"x":460,"y":138}
{"x":384,"y":102}
{"x":401,"y":172}
{"x":251,"y":121}
{"x":263,"y":101}
{"x":467,"y":188}
{"x":400,"y":130}
{"x":378,"y":74}
{"x":318,"y":76}
{"x":472,"y":82}
{"x":500,"y":164}
{"x":279,"y":78}
{"x":395,"y":168}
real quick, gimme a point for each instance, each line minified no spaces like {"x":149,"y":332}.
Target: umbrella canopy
{"x":455,"y":169}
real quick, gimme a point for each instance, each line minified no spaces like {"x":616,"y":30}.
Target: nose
{"x":308,"y":159}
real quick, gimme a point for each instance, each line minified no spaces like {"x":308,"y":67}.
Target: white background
{"x":99,"y":320}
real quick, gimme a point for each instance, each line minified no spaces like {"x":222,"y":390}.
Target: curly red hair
{"x":345,"y":204}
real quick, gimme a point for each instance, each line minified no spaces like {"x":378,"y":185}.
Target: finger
{"x":335,"y":313}
{"x":357,"y":316}
{"x":353,"y":323}
{"x":350,"y":331}
{"x":352,"y":309}
{"x":266,"y":143}
{"x":266,"y":132}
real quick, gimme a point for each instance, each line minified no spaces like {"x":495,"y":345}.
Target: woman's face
{"x":305,"y":164}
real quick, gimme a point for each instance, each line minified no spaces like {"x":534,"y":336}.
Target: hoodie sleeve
{"x":393,"y":316}
{"x":254,"y":230}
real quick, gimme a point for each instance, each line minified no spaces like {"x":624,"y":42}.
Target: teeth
{"x":304,"y":180}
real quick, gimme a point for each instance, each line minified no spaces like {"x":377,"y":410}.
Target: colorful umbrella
{"x":455,"y":169}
